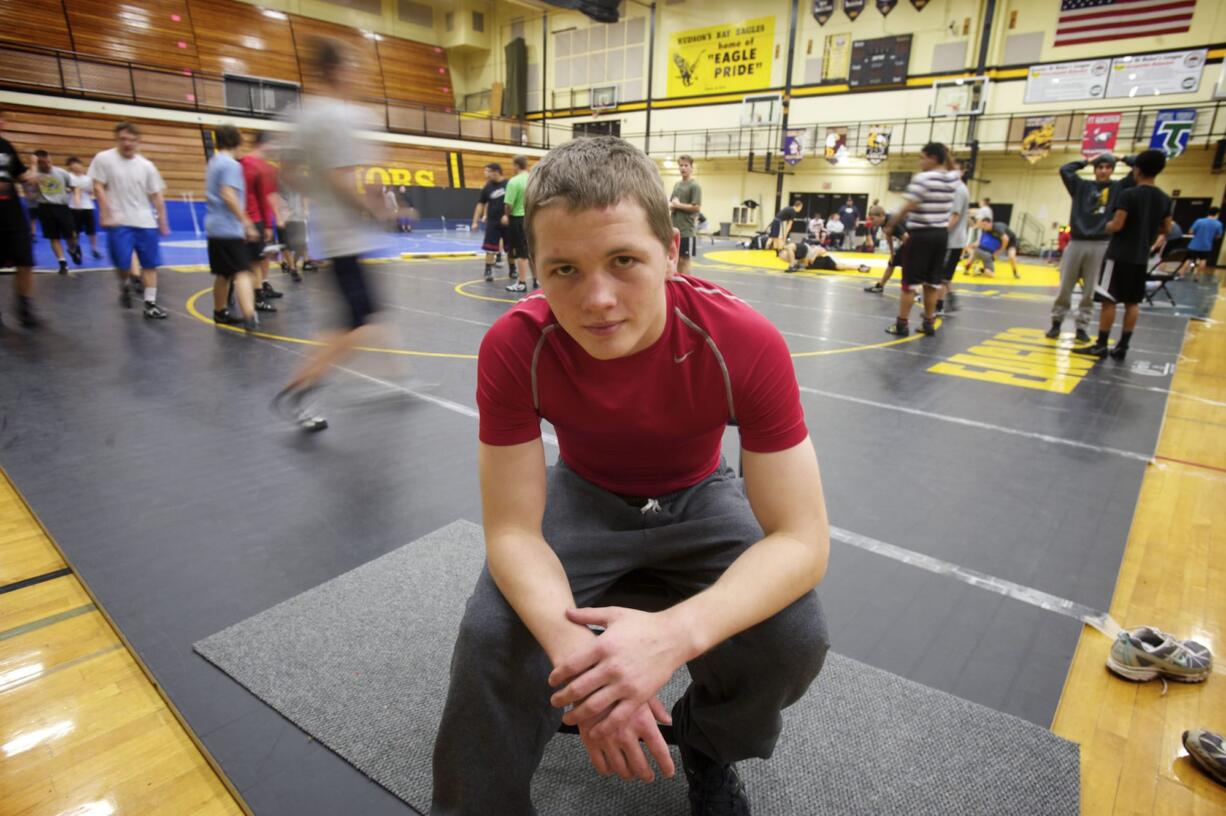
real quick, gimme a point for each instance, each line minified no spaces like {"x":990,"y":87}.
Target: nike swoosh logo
{"x":683,"y":357}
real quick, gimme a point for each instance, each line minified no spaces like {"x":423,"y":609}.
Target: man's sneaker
{"x":95,"y":253}
{"x":269,"y":292}
{"x":928,"y":327}
{"x":154,"y":311}
{"x":290,"y":404}
{"x":63,"y":267}
{"x":1098,"y":350}
{"x":899,"y":328}
{"x":1119,"y":352}
{"x":75,"y":254}
{"x":262,"y":305}
{"x":26,"y":316}
{"x":518,"y":286}
{"x":285,"y":267}
{"x":793,"y":268}
{"x":125,"y":297}
{"x":224,"y":318}
{"x":1208,"y":750}
{"x":876,"y":288}
{"x":295,"y":275}
{"x":715,"y":790}
{"x":138,"y":285}
{"x":308,"y":266}
{"x":498,"y":259}
{"x":1082,"y":336}
{"x":1147,"y":653}
{"x":1054,"y":332}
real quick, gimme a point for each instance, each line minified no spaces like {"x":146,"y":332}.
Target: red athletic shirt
{"x":260,"y":178}
{"x":651,"y":423}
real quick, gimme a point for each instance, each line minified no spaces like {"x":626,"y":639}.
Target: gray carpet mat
{"x":361,"y":664}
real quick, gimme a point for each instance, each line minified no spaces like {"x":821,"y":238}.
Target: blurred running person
{"x":128,"y":189}
{"x":327,"y":144}
{"x":684,"y":205}
{"x":54,"y":192}
{"x":513,"y":220}
{"x":929,"y":201}
{"x":229,"y":229}
{"x":261,"y":180}
{"x":82,"y":204}
{"x":489,"y":211}
{"x":16,"y":244}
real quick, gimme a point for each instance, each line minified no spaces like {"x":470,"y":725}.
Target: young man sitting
{"x":609,"y":350}
{"x":803,"y":255}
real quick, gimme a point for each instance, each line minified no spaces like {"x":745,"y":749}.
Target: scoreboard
{"x":882,"y":61}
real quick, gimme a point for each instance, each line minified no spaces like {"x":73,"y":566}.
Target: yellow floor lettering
{"x":1021,"y":357}
{"x":989,"y":373}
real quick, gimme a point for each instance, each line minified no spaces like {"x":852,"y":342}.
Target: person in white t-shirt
{"x":82,"y":203}
{"x":128,"y":189}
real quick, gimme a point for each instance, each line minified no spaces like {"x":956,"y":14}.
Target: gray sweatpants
{"x":497,"y":719}
{"x":1082,"y":261}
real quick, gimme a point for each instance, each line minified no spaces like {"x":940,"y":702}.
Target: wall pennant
{"x":919,"y":4}
{"x":852,"y":8}
{"x":823,"y":10}
{"x":1038,"y":133}
{"x":886,"y":6}
{"x":878,"y":147}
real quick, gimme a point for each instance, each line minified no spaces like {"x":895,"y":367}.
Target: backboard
{"x":959,"y":97}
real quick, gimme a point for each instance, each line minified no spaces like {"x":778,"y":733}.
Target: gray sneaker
{"x":1147,"y":653}
{"x":715,"y":789}
{"x":1208,"y":750}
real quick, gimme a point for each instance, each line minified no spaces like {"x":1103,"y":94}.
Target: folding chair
{"x":1174,"y":252}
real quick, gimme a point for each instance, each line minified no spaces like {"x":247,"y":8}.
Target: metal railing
{"x":994,"y":132}
{"x":71,"y":74}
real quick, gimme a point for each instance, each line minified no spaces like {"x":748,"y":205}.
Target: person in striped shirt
{"x":928,"y":204}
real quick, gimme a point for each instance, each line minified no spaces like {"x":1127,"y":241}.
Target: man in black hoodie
{"x":1093,"y":202}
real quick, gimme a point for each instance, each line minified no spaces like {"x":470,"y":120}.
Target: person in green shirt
{"x":513,"y":218}
{"x":684,"y":204}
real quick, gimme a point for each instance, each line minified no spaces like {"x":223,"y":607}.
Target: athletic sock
{"x":489,"y":268}
{"x":151,"y":294}
{"x":1124,"y":338}
{"x":1103,"y":337}
{"x":940,"y":305}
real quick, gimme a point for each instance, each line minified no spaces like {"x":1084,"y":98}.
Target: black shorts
{"x":228,"y":256}
{"x":85,"y":222}
{"x":255,"y":249}
{"x":824,"y":262}
{"x":56,"y":221}
{"x":952,"y":256}
{"x":775,"y":227}
{"x":923,"y":257}
{"x":1121,"y":282}
{"x":518,"y":248}
{"x":351,"y":280}
{"x":495,"y":235}
{"x":16,"y":248}
{"x":294,"y":235}
{"x":1200,"y":255}
{"x":689,"y":246}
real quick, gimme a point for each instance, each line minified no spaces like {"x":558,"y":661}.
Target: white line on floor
{"x":985,"y":426}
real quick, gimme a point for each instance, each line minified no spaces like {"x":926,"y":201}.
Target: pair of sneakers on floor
{"x":1147,"y":653}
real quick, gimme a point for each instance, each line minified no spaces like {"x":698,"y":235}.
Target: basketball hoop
{"x":959,"y":97}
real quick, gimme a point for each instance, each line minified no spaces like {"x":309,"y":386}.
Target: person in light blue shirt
{"x":1200,"y":249}
{"x":229,"y":229}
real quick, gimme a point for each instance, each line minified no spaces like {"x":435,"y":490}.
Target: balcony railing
{"x":71,"y":74}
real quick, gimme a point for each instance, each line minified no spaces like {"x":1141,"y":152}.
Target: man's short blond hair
{"x":598,"y":172}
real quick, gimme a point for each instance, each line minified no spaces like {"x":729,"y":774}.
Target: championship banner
{"x":886,"y":6}
{"x":823,"y":10}
{"x":1102,"y":129}
{"x":1172,"y":130}
{"x":1037,"y":135}
{"x":852,"y":8}
{"x":878,"y":148}
{"x":721,"y":58}
{"x":836,"y":145}
{"x":794,"y":147}
{"x":919,"y":4}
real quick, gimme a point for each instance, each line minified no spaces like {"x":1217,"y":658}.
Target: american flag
{"x":1087,"y":21}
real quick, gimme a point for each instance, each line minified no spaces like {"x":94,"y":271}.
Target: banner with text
{"x":1064,"y":81}
{"x":794,"y":147}
{"x":877,"y":149}
{"x":1102,"y":129}
{"x":722,"y":58}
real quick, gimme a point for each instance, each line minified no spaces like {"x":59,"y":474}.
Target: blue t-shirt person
{"x":1204,"y":232}
{"x":223,"y":171}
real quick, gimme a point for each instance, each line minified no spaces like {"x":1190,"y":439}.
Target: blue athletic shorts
{"x":121,"y":242}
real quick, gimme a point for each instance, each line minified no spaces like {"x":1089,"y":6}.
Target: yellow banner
{"x":722,"y":58}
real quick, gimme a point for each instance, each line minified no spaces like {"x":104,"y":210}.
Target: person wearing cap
{"x":1093,"y":201}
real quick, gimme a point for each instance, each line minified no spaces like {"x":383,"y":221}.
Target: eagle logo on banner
{"x":852,"y":8}
{"x":878,"y":147}
{"x":823,"y":10}
{"x":886,"y":6}
{"x":919,"y":4}
{"x":836,"y":145}
{"x":1037,"y":135}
